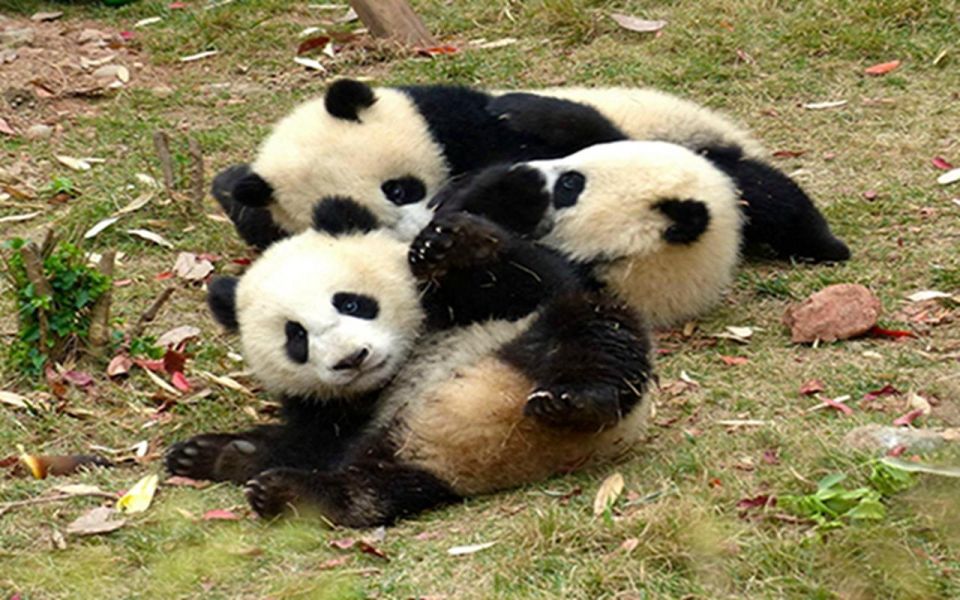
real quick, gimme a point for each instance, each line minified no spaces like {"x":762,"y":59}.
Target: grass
{"x":689,"y":541}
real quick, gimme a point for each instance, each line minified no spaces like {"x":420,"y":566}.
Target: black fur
{"x":567,"y":126}
{"x":253,"y":190}
{"x":404,"y":190}
{"x":512,"y":196}
{"x":222,"y":299}
{"x":339,"y":215}
{"x":474,"y":270}
{"x":691,"y":218}
{"x":312,"y":434}
{"x":590,"y":358}
{"x":297,"y":345}
{"x":779,"y":213}
{"x":254,"y":224}
{"x":346,"y":97}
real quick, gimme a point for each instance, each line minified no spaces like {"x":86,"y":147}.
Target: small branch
{"x":161,"y":142}
{"x":150,"y":314}
{"x":49,"y":241}
{"x":99,"y":333}
{"x":196,"y":174}
{"x":33,"y":264}
{"x":8,"y":506}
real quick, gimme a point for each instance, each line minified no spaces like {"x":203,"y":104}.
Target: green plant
{"x":50,"y":324}
{"x":61,"y":185}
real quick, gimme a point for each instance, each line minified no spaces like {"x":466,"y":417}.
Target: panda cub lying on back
{"x":522,"y":374}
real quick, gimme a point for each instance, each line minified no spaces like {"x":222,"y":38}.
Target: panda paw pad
{"x":451,"y":241}
{"x":213,"y":456}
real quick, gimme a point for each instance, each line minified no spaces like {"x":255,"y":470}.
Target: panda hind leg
{"x":363,"y":494}
{"x":590,"y":359}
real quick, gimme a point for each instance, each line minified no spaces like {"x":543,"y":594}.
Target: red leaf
{"x":180,"y":382}
{"x":126,"y":35}
{"x":163,"y":276}
{"x":887,"y":390}
{"x":437,"y":51}
{"x":177,"y":5}
{"x":174,"y":361}
{"x":78,"y":378}
{"x":312,"y":43}
{"x":151,"y":365}
{"x":122,"y":282}
{"x":220,"y":514}
{"x":5,"y":128}
{"x":838,"y":406}
{"x":368,"y":548}
{"x":333,"y":563}
{"x":941,"y":163}
{"x":714,"y":482}
{"x":343,"y":544}
{"x":733,"y":361}
{"x":871,"y":194}
{"x":811,"y":387}
{"x":771,"y":457}
{"x":876,"y":331}
{"x":789,"y":153}
{"x":882,"y":68}
{"x":908,"y":418}
{"x":179,"y":481}
{"x":243,"y":261}
{"x":208,"y":256}
{"x":897,"y":450}
{"x":760,"y":501}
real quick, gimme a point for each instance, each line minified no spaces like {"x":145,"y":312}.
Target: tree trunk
{"x":393,"y":19}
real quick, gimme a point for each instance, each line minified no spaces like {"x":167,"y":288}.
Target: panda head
{"x":370,"y":144}
{"x":609,"y":201}
{"x":323,"y":316}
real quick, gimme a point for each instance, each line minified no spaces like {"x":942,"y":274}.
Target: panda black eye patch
{"x":568,"y":188}
{"x":296,"y":346}
{"x":690,"y":220}
{"x":404,"y":190}
{"x":360,"y":306}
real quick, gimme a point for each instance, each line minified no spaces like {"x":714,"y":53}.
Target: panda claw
{"x":190,"y":451}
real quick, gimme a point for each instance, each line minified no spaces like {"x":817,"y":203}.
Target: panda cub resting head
{"x":403,"y":388}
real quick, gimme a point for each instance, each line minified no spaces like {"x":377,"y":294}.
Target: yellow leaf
{"x":609,"y":491}
{"x":140,"y":496}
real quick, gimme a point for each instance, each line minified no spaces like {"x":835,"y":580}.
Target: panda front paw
{"x":454,"y":240}
{"x":275,"y":491}
{"x":579,"y":407}
{"x":213,"y":456}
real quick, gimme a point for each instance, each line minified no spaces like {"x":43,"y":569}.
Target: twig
{"x":161,"y":142}
{"x":196,"y":173}
{"x":33,"y":265}
{"x":8,"y":506}
{"x":99,"y":333}
{"x":822,"y":405}
{"x":151,"y":313}
{"x":49,"y":241}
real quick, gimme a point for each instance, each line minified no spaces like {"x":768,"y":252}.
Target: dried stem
{"x":151,"y":313}
{"x":33,"y":265}
{"x":99,"y":333}
{"x":161,"y":142}
{"x":198,"y":191}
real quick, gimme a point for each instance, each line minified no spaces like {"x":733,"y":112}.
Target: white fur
{"x":614,"y":225}
{"x":311,"y":155}
{"x":295,"y":280}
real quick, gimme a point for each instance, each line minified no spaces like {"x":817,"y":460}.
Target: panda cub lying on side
{"x":520,"y":375}
{"x":391,"y":149}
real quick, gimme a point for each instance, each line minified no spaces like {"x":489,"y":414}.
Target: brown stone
{"x":837,"y":312}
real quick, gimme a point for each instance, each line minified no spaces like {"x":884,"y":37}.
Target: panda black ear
{"x":690,"y":219}
{"x":222,"y":299}
{"x":725,"y":158}
{"x":339,"y":215}
{"x":252,"y":190}
{"x":345,"y":97}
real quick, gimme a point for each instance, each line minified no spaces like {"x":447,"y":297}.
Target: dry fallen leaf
{"x":469,"y":549}
{"x":310,"y":63}
{"x":637,"y":24}
{"x":941,"y":163}
{"x":101,"y":519}
{"x":6,"y":129}
{"x":496,"y":44}
{"x":77,"y":164}
{"x":19,"y":218}
{"x":177,"y":336}
{"x":100,"y":226}
{"x":949,"y":177}
{"x":199,"y":56}
{"x":733,"y":361}
{"x":141,"y":201}
{"x":119,"y":365}
{"x":925,"y":295}
{"x":220,"y":514}
{"x":151,"y":237}
{"x":46,"y":16}
{"x":191,"y":267}
{"x":882,"y":68}
{"x":609,"y":491}
{"x":811,"y":387}
{"x":14,"y":400}
{"x":139,"y":497}
{"x":80,"y":489}
{"x":824,"y":105}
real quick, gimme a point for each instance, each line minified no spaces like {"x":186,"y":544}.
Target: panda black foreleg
{"x":225,"y":456}
{"x":590,"y":359}
{"x":475,"y":270}
{"x":254,"y":224}
{"x":362,"y":494}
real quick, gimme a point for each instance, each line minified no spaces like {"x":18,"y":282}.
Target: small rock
{"x":46,"y":16}
{"x":162,"y":91}
{"x":90,"y":35}
{"x":38,"y":132}
{"x":837,"y":312}
{"x":880,"y":439}
{"x":17,"y":36}
{"x":8,"y":55}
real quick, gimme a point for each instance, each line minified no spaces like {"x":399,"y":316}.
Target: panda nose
{"x":353,"y":361}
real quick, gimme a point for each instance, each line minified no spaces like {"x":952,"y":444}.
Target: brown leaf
{"x":46,"y":16}
{"x":101,"y":519}
{"x":78,"y":378}
{"x":174,"y":362}
{"x":437,"y":51}
{"x":886,"y":390}
{"x":734,"y":361}
{"x":789,"y":153}
{"x":179,"y":481}
{"x":343,"y":544}
{"x":175,"y":337}
{"x":607,"y":494}
{"x":191,"y":267}
{"x":312,"y":43}
{"x":637,"y":24}
{"x":220,"y":514}
{"x":908,"y":418}
{"x":629,"y":545}
{"x":368,"y":548}
{"x":333,"y":563}
{"x":838,"y":406}
{"x":811,"y":387}
{"x":882,"y":68}
{"x":6,"y":129}
{"x":119,"y":365}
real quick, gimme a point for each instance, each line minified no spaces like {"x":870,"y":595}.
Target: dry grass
{"x":689,"y":541}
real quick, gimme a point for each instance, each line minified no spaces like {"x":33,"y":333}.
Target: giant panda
{"x":654,"y":223}
{"x":382,"y":418}
{"x":392,"y":148}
